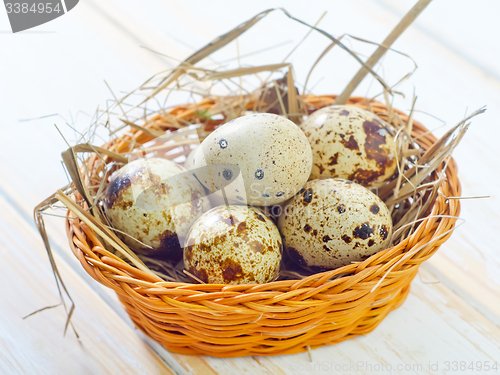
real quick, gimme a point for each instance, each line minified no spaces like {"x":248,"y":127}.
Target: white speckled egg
{"x":233,"y":244}
{"x":216,"y":197}
{"x":352,"y":143}
{"x":270,"y":152}
{"x":153,"y":201}
{"x":333,"y":222}
{"x":188,"y":164}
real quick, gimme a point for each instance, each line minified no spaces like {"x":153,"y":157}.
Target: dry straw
{"x":298,"y":312}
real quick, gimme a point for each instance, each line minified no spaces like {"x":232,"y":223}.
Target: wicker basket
{"x":281,"y":317}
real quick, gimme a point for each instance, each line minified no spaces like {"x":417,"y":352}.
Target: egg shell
{"x":233,"y":244}
{"x":156,"y":202}
{"x":271,"y":153}
{"x":332,"y":222}
{"x":217,"y":196}
{"x":351,"y":143}
{"x":188,"y":164}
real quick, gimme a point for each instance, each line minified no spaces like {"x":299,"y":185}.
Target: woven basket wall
{"x":281,"y":317}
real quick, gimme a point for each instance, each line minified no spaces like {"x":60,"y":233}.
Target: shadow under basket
{"x":285,"y":316}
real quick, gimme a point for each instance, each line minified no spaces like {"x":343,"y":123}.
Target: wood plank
{"x":36,"y":344}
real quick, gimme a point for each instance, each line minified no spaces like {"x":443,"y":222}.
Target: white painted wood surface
{"x":60,"y":67}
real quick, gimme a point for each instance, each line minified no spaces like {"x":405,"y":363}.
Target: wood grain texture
{"x":36,"y":344}
{"x":452,"y":320}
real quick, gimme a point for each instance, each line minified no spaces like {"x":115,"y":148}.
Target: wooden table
{"x":453,"y":310}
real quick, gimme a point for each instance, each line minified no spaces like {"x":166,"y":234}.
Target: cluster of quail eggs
{"x":214,"y":213}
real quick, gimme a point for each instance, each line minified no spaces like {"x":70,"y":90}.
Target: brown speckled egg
{"x":270,"y":152}
{"x":153,"y":201}
{"x":332,"y":222}
{"x":351,"y":143}
{"x":233,"y":244}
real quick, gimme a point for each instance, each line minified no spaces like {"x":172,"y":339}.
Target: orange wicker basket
{"x":281,"y":317}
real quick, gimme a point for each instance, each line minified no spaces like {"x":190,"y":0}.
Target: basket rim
{"x":280,"y":317}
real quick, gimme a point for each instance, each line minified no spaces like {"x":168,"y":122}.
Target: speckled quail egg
{"x":332,"y":222}
{"x":154,"y":202}
{"x":272,"y":154}
{"x":217,"y":197}
{"x":233,"y":244}
{"x":351,"y":143}
{"x":188,"y":164}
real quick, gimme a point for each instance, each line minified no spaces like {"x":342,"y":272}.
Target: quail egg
{"x":233,"y":244}
{"x":332,"y":222}
{"x":154,"y":202}
{"x":352,"y":143}
{"x":265,"y":158}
